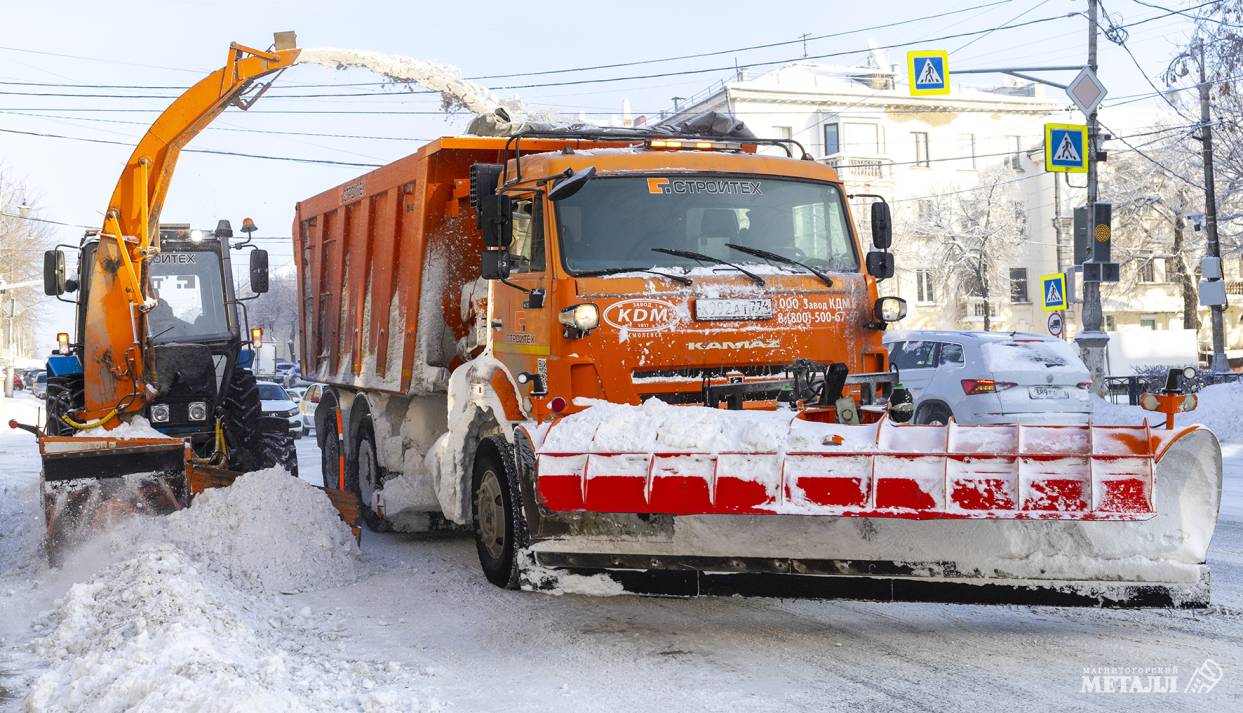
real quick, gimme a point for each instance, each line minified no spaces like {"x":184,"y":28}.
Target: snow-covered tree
{"x":971,"y":236}
{"x":22,"y":242}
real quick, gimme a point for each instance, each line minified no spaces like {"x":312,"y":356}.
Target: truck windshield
{"x":189,"y":297}
{"x":616,"y":221}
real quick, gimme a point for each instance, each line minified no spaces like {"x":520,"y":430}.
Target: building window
{"x":1111,"y":325}
{"x":1020,"y":218}
{"x":863,"y":139}
{"x":924,"y":291}
{"x":1148,"y":324}
{"x":921,"y":148}
{"x":1018,"y":285}
{"x":1147,"y":272}
{"x":832,"y":139}
{"x":1015,"y":161}
{"x":968,"y":150}
{"x":925,"y":210}
{"x":783,"y":132}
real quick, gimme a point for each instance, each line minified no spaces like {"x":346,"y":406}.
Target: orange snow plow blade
{"x":877,"y":470}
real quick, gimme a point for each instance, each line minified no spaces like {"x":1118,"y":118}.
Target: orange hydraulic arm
{"x":113,"y":356}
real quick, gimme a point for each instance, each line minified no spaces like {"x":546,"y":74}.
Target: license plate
{"x":707,"y":309}
{"x":1048,"y":392}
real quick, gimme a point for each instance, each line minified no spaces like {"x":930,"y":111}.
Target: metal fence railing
{"x":1127,"y":389}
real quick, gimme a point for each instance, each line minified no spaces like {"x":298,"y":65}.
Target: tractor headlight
{"x":197,"y":411}
{"x":584,"y":317}
{"x":159,"y":413}
{"x":889,"y":309}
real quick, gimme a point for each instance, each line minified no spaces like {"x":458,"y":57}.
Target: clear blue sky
{"x":172,"y":43}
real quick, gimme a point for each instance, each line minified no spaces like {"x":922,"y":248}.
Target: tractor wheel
{"x":65,"y":394}
{"x":364,"y":478}
{"x":496,"y":504}
{"x":241,"y":422}
{"x":276,"y":446}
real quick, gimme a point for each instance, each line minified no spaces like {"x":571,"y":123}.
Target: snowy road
{"x":422,"y":630}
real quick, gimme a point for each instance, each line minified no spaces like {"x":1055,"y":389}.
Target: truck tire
{"x":330,"y":455}
{"x":496,"y":513}
{"x":276,"y":446}
{"x":363,"y":477}
{"x":65,"y":394}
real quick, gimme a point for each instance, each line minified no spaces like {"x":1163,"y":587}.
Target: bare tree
{"x":1150,"y":209}
{"x":972,"y":237}
{"x":277,"y":310}
{"x":22,"y":241}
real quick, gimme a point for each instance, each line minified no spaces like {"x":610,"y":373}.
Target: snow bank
{"x":1219,"y":410}
{"x":158,"y":632}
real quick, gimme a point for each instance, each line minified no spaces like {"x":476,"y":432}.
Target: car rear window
{"x":272,"y":392}
{"x":999,"y":356}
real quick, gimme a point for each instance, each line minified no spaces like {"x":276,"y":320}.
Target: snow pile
{"x":135,"y":427}
{"x":557,"y":582}
{"x":266,"y":532}
{"x":157,"y":633}
{"x":455,"y":92}
{"x":1218,"y":410}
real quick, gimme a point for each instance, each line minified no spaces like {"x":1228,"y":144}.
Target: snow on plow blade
{"x":1087,"y":514}
{"x":88,"y":483}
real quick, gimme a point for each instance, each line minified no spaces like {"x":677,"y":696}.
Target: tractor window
{"x":189,"y":298}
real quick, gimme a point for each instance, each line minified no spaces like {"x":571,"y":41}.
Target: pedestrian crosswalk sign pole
{"x":929,"y":72}
{"x":1066,"y":148}
{"x":1053,"y":292}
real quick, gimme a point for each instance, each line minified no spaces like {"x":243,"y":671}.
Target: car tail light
{"x":1085,"y":385}
{"x":984,"y":386}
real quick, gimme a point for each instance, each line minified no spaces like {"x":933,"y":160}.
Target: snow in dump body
{"x":446,"y":79}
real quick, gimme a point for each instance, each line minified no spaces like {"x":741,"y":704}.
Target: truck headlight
{"x":889,"y":309}
{"x":197,"y":411}
{"x":584,"y":317}
{"x":159,"y":413}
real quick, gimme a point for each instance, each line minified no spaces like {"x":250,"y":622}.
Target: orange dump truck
{"x":658,"y":358}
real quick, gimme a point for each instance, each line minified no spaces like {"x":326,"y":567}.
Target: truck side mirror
{"x":53,"y":273}
{"x":880,"y":265}
{"x":258,"y":271}
{"x":882,"y":226}
{"x":572,"y":184}
{"x":496,"y":221}
{"x":495,"y":265}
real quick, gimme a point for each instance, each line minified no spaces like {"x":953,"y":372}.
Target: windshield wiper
{"x":618,"y":270}
{"x":781,"y":259}
{"x":701,"y":257}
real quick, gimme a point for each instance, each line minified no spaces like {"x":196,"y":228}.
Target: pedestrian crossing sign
{"x":1066,"y":148}
{"x":1053,"y":292}
{"x":929,"y":71}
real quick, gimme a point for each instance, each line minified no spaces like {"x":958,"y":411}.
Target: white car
{"x":310,"y":399}
{"x":275,"y":401}
{"x":991,"y":377}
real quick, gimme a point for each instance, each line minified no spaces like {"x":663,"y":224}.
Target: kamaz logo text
{"x":730,"y":187}
{"x":748,"y":344}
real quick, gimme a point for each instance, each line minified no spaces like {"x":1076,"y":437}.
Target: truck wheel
{"x":496,"y":504}
{"x":330,"y":459}
{"x":933,"y":414}
{"x":64,"y":395}
{"x":364,"y":478}
{"x":276,"y":446}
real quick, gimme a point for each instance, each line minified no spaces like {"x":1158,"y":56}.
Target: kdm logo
{"x":640,"y":315}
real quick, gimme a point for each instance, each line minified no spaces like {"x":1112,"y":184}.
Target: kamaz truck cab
{"x":199,"y":363}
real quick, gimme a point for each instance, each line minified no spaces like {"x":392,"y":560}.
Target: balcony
{"x":861,"y":168}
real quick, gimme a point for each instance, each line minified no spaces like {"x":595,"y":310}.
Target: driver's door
{"x":521,"y":308}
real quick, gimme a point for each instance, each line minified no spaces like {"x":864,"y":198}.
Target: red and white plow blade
{"x":771,"y":463}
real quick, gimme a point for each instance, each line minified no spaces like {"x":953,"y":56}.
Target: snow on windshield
{"x":1023,"y":354}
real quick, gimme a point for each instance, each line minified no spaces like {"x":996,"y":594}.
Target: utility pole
{"x":1219,"y":363}
{"x":1092,"y":340}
